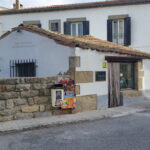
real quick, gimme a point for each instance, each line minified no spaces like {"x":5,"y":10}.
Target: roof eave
{"x":74,"y":6}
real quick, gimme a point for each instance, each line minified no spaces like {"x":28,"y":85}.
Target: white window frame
{"x":77,"y":33}
{"x":119,"y":38}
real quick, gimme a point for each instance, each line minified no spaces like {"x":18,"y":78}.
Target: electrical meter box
{"x":57,"y":97}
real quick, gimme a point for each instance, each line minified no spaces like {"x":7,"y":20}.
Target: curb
{"x":31,"y":124}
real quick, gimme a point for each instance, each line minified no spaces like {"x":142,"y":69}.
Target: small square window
{"x":100,"y":76}
{"x":54,"y":25}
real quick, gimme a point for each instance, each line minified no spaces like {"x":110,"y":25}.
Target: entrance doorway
{"x":113,"y":84}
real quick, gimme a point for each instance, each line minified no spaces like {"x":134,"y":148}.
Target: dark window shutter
{"x":67,"y":28}
{"x":127,"y":31}
{"x":86,"y":28}
{"x":109,"y":30}
{"x":39,"y":25}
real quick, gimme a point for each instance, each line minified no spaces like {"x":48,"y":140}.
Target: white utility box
{"x":57,"y":96}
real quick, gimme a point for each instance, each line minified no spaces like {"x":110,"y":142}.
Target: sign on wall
{"x":104,"y":64}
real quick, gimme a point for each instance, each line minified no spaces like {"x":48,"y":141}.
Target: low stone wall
{"x":24,"y":98}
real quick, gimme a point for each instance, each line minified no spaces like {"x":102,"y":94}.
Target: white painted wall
{"x":51,"y":57}
{"x":139,"y":14}
{"x":146,"y":79}
{"x":93,"y":61}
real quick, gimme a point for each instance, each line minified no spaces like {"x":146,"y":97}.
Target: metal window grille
{"x":23,"y":68}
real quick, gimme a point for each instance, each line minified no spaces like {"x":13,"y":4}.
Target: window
{"x":119,"y":30}
{"x":127,"y":78}
{"x":100,"y":76}
{"x":77,"y":29}
{"x":22,"y":68}
{"x":35,"y":23}
{"x":55,"y":25}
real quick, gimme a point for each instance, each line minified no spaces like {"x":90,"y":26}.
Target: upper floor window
{"x":34,"y":22}
{"x":119,"y":29}
{"x":76,"y":27}
{"x":55,"y":25}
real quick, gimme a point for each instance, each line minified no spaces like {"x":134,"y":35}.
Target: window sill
{"x":129,"y":93}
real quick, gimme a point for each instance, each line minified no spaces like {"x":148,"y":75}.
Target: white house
{"x":99,"y":68}
{"x":125,"y":22}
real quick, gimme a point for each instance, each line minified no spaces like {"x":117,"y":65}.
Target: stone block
{"x":42,"y":108}
{"x":2,"y":105}
{"x":48,"y":107}
{"x":74,"y":62}
{"x":2,"y":81}
{"x":12,"y":81}
{"x":131,"y":93}
{"x":23,"y":116}
{"x":139,"y":65}
{"x":47,"y":80}
{"x":140,"y":83}
{"x":8,"y":95}
{"x":41,"y":100}
{"x":22,"y":87}
{"x":9,"y":88}
{"x":8,"y":112}
{"x":29,"y":109}
{"x":83,"y":76}
{"x":27,"y":94}
{"x":86,"y":103}
{"x":77,"y":89}
{"x":39,"y":86}
{"x":22,"y":80}
{"x":9,"y":104}
{"x":2,"y":88}
{"x":42,"y":114}
{"x":141,"y":74}
{"x":20,"y":101}
{"x":30,"y":101}
{"x":32,"y":80}
{"x":6,"y":118}
{"x":44,"y":92}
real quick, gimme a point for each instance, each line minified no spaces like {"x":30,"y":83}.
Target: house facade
{"x":105,"y":74}
{"x":124,"y":22}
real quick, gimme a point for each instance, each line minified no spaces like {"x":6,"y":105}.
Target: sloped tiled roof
{"x":74,"y":6}
{"x":84,"y":42}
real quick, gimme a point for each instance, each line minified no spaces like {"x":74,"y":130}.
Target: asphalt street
{"x":123,"y":133}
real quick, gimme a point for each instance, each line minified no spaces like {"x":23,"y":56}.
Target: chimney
{"x":17,"y":4}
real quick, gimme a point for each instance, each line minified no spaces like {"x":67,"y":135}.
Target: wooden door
{"x":113,"y":84}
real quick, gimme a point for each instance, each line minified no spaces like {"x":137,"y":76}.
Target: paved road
{"x":124,"y":133}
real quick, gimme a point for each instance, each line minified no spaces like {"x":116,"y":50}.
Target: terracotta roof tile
{"x":84,"y":42}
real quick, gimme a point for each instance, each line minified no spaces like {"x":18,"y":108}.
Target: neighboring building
{"x":99,"y":68}
{"x":123,"y":21}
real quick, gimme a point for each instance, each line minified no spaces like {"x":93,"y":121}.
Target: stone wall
{"x":24,"y":98}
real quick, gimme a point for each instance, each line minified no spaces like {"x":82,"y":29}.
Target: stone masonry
{"x":24,"y":98}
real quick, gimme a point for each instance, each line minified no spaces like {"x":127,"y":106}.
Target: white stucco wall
{"x":93,"y":61}
{"x":51,"y":57}
{"x":146,"y":79}
{"x":140,"y":33}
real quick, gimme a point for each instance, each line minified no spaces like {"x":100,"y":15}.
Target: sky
{"x":34,"y":3}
